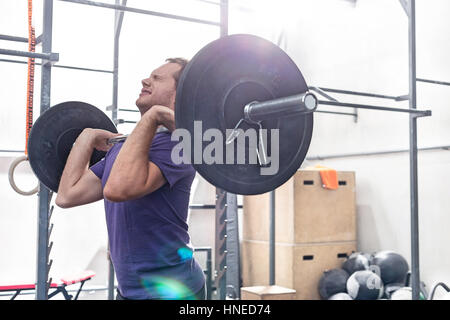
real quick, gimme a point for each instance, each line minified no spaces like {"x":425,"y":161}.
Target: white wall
{"x":362,"y":47}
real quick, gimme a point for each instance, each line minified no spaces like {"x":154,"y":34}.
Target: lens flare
{"x":166,"y":288}
{"x":185,"y":253}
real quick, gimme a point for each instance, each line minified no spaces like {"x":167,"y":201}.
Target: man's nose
{"x":146,"y":82}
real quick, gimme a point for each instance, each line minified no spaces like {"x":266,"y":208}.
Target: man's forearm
{"x":77,"y":163}
{"x":131,"y":166}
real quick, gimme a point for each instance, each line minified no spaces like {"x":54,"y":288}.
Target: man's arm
{"x":133,"y":175}
{"x":78,"y":184}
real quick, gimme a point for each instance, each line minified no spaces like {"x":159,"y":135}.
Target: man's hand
{"x":162,"y":116}
{"x":99,"y":139}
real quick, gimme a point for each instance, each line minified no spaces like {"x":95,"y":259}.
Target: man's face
{"x":159,"y":88}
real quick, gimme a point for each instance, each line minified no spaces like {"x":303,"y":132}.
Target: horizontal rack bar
{"x":82,"y":68}
{"x":45,"y":56}
{"x":19,"y":39}
{"x":60,"y":66}
{"x":335,"y":112}
{"x":15,"y":151}
{"x":434,"y":82}
{"x":322,"y":93}
{"x":374,"y":153}
{"x":422,"y":113}
{"x":142,"y":11}
{"x":207,"y":206}
{"x":120,"y":121}
{"x":357,"y":93}
{"x":202,"y":249}
{"x":129,"y":110}
{"x":13,"y":38}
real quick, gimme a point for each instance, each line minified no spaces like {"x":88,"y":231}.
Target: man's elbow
{"x":114,"y":193}
{"x":119,"y":192}
{"x":63,"y":202}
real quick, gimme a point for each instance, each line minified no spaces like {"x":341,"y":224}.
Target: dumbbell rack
{"x":49,"y":58}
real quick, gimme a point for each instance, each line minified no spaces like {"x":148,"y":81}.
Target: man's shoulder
{"x":163,"y":139}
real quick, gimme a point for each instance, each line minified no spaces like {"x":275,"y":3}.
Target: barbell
{"x":237,"y":82}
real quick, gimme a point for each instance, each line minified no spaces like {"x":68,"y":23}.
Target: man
{"x":146,"y":196}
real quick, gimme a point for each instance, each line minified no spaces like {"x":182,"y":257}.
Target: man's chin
{"x":142,"y":104}
{"x":143,"y":107}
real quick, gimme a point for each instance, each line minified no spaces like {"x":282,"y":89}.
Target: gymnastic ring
{"x":13,"y":166}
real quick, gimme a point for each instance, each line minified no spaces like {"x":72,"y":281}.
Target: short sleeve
{"x":98,"y":168}
{"x":160,"y":155}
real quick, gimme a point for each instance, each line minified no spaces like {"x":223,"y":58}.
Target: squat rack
{"x":49,"y":58}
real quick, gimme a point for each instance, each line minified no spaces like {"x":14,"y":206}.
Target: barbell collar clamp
{"x":261,"y":150}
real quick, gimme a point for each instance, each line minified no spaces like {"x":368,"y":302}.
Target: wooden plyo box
{"x":267,"y":293}
{"x":297,"y":266}
{"x":305,"y":212}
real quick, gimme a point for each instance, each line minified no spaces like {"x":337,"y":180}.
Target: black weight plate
{"x":54,"y":133}
{"x":214,"y":88}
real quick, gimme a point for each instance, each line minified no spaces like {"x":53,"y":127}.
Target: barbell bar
{"x":236,"y":81}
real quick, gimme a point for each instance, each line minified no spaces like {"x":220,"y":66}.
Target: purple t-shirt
{"x":148,"y":237}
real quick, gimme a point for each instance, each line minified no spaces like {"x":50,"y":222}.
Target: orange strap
{"x":30,"y":78}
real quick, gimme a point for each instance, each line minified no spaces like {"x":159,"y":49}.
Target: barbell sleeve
{"x":256,"y":111}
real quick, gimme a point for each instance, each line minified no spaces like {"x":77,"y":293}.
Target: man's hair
{"x":182,"y":62}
